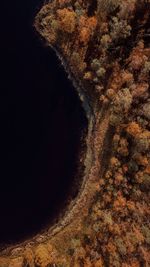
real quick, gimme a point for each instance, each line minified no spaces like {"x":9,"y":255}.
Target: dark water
{"x":41,"y":123}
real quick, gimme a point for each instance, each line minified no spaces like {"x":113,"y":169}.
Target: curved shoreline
{"x":107,"y":224}
{"x":71,"y":210}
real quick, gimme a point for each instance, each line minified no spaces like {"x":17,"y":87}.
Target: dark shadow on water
{"x":41,"y":125}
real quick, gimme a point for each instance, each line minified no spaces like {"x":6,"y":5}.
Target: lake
{"x":42,"y":122}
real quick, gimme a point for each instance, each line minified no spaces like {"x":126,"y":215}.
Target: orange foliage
{"x":127,"y":76}
{"x":118,"y":178}
{"x":134,"y":263}
{"x":140,"y":89}
{"x":141,"y":160}
{"x":137,"y":57}
{"x":114,"y":162}
{"x":119,"y":203}
{"x":115,"y":229}
{"x":99,"y":263}
{"x":131,"y":205}
{"x":111,"y":248}
{"x":147,"y":170}
{"x":87,"y":27}
{"x":133,"y":128}
{"x":138,"y":235}
{"x":84,"y":35}
{"x":67,"y":19}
